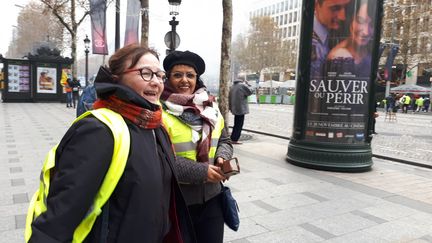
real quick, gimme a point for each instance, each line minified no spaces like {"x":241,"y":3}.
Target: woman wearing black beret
{"x":200,"y":140}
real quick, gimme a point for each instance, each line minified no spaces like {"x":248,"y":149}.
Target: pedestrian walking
{"x":145,"y":204}
{"x":75,"y":84}
{"x":426,"y":104}
{"x":68,"y":90}
{"x":405,"y":101}
{"x":420,"y":103}
{"x":239,"y":107}
{"x":200,"y":140}
{"x":390,"y":103}
{"x":86,"y":100}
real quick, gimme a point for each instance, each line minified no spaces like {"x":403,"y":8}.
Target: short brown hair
{"x":132,"y":52}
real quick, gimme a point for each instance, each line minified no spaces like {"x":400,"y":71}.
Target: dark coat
{"x":139,"y":206}
{"x":238,"y":94}
{"x":75,"y":85}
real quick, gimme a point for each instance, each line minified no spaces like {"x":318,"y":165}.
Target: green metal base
{"x":331,"y":157}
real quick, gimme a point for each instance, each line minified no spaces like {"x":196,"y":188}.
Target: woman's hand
{"x":219,"y":162}
{"x":214,"y":174}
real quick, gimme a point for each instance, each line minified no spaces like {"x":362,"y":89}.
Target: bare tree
{"x":34,"y":28}
{"x":288,"y":55}
{"x":263,"y":48}
{"x":407,"y":23}
{"x":65,"y":12}
{"x":239,"y":53}
{"x":225,"y":59}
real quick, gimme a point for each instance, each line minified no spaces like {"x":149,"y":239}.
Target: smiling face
{"x":183,"y":79}
{"x":150,"y":90}
{"x":361,"y":27}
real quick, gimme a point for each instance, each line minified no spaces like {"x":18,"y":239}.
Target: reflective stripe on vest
{"x":181,"y":136}
{"x":121,"y":136}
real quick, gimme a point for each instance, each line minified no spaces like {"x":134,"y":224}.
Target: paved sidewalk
{"x":279,"y":202}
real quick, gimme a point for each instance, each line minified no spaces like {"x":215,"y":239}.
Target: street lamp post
{"x":86,"y":46}
{"x":117,"y":25}
{"x":390,"y":72}
{"x":172,"y":39}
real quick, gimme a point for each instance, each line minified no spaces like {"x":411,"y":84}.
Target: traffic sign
{"x":172,"y":36}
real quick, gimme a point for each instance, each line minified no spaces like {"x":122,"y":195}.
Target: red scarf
{"x":142,"y":117}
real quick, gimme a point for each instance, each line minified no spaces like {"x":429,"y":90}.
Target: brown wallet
{"x":231,"y":167}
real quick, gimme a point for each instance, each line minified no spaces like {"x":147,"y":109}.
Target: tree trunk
{"x":145,"y":23}
{"x":69,"y":20}
{"x":225,"y":59}
{"x":74,"y":39}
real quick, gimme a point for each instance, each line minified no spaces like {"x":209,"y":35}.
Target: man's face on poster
{"x":331,"y":13}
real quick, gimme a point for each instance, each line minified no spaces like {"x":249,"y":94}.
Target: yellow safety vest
{"x":181,"y":136}
{"x":120,"y":154}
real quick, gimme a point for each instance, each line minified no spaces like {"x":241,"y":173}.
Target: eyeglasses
{"x":147,"y":74}
{"x":179,"y":75}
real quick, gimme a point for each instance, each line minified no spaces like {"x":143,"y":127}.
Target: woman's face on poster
{"x":361,"y":27}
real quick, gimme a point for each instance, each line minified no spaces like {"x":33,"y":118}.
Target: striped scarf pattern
{"x":142,"y":117}
{"x":196,"y":111}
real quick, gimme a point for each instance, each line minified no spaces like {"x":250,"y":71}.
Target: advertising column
{"x":339,"y":47}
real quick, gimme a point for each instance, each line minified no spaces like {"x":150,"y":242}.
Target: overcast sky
{"x":200,"y":24}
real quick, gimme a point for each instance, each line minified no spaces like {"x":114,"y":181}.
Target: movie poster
{"x":46,"y":80}
{"x":342,"y":40}
{"x":18,"y":78}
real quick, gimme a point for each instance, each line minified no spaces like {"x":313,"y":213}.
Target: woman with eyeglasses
{"x":146,"y":204}
{"x":201,"y":142}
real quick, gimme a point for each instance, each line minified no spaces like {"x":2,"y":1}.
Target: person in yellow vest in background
{"x":201,"y":142}
{"x":419,"y":102}
{"x":405,"y":101}
{"x":113,"y":179}
{"x":65,"y":82}
{"x":68,"y":90}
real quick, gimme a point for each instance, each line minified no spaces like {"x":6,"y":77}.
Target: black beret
{"x":186,"y":58}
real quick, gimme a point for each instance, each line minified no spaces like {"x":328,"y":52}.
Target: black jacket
{"x":138,"y":207}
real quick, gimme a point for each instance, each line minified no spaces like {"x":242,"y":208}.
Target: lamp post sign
{"x":335,"y":99}
{"x":172,"y":40}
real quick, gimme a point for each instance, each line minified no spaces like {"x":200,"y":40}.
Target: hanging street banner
{"x":98,"y":26}
{"x":133,"y":15}
{"x":340,"y":71}
{"x":390,"y":59}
